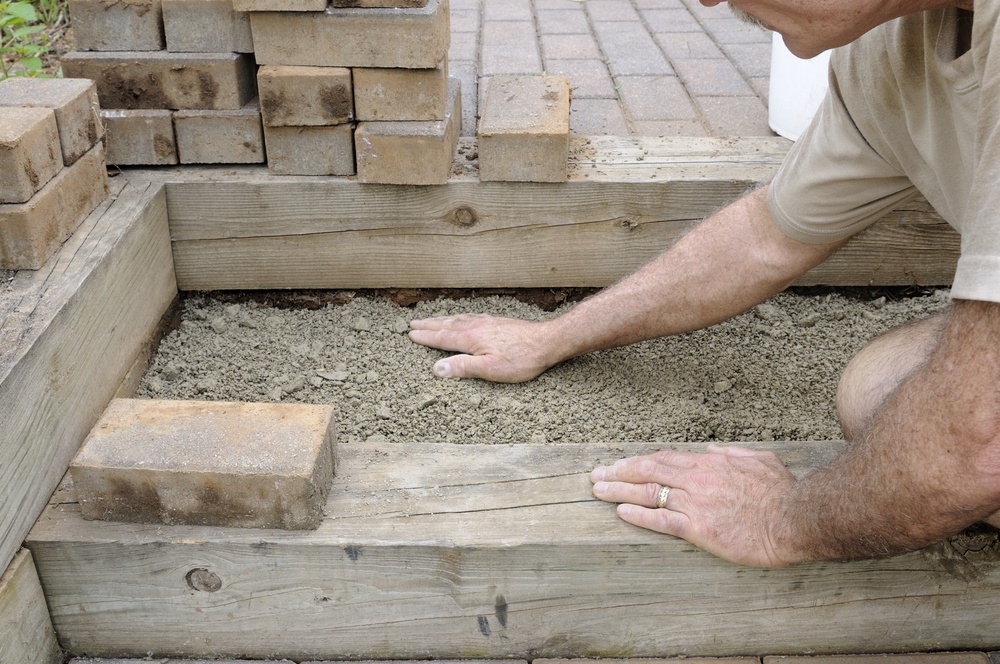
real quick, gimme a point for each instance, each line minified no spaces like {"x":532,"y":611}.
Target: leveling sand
{"x":769,"y":374}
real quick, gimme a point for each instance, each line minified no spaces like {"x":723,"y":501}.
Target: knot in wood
{"x":463,"y":216}
{"x":628,"y":224}
{"x":977,"y":543}
{"x":203,"y":580}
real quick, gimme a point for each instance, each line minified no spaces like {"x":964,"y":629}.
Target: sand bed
{"x":769,"y":374}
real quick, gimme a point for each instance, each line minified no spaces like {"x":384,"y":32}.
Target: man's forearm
{"x":735,"y":259}
{"x":927,"y":465}
{"x":730,"y":262}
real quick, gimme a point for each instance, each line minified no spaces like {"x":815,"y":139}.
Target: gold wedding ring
{"x":661,"y":497}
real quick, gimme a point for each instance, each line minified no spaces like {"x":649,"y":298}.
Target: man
{"x":914,"y":106}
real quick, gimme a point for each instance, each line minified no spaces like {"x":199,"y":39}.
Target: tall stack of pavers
{"x":176,"y":79}
{"x":52,"y":167}
{"x":389,"y":56}
{"x":353,"y":86}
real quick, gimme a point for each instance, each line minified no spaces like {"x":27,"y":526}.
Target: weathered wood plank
{"x":68,"y":334}
{"x":26,"y":634}
{"x":626,"y":200}
{"x":489,"y":551}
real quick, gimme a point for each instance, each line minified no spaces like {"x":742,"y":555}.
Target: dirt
{"x":336,"y":102}
{"x":769,"y":374}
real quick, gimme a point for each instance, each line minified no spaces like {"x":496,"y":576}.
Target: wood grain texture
{"x":625,"y":201}
{"x":26,"y":634}
{"x":68,"y":334}
{"x":448,"y":551}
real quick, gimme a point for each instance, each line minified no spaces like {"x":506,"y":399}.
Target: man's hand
{"x":504,"y":350}
{"x":729,"y":502}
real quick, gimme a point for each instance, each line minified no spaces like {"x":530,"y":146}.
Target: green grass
{"x":26,"y":33}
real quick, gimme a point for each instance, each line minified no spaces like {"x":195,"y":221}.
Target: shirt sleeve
{"x":833,"y":183}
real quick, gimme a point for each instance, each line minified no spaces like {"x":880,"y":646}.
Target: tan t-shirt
{"x":903,"y":116}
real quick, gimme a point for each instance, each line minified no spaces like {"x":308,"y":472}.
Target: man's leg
{"x":878,"y":368}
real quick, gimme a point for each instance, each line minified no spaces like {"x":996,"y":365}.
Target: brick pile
{"x":345,"y":87}
{"x":358,"y":84}
{"x":52,"y":166}
{"x":176,"y":79}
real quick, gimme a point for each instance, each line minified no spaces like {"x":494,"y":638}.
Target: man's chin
{"x":746,"y":17}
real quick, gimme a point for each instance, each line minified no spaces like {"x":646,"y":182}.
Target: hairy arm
{"x":927,"y":466}
{"x":727,"y":264}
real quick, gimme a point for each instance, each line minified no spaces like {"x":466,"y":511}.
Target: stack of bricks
{"x":357,"y":84}
{"x":52,"y":166}
{"x":176,"y":79}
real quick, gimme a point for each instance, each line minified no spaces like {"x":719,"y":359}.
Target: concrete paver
{"x":29,"y":152}
{"x":418,"y":152}
{"x":140,"y":137}
{"x":636,"y":67}
{"x":524,"y":133}
{"x":118,"y":26}
{"x":241,"y":465}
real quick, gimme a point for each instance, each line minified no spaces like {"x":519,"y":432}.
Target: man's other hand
{"x":503,"y":350}
{"x":729,"y":502}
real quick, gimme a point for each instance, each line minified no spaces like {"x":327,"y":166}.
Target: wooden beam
{"x":68,"y":334}
{"x":626,"y":200}
{"x":478,"y":551}
{"x":26,"y":634}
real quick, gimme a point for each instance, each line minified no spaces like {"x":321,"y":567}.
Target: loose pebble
{"x":425,"y":401}
{"x":205,"y":385}
{"x":809,"y":320}
{"x":360,"y":324}
{"x":339,"y":376}
{"x":296,"y":385}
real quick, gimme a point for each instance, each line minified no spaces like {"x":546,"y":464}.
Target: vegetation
{"x":28,"y":32}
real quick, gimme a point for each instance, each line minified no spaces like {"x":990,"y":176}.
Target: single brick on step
{"x":139,"y":137}
{"x":410,"y":152}
{"x":220,"y":137}
{"x":117,"y":25}
{"x":162,"y":80}
{"x":74,"y":100}
{"x":280,"y":5}
{"x":244,"y":465}
{"x":414,"y":38}
{"x":401,"y":94}
{"x":524,"y":129}
{"x":206,"y":26}
{"x":292,"y":96}
{"x":29,"y":152}
{"x":310,"y":150}
{"x":31,"y":232}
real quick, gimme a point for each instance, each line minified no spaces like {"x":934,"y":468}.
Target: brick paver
{"x":636,"y":67}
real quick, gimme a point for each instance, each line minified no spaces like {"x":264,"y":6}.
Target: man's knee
{"x":878,"y":368}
